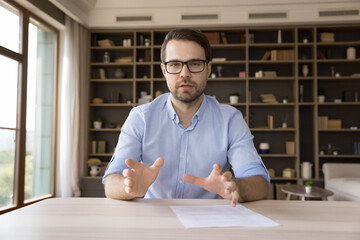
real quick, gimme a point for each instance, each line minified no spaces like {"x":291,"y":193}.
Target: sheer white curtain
{"x":72,"y":121}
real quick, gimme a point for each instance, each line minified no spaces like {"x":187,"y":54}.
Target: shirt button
{"x":182,"y":156}
{"x":180,"y":181}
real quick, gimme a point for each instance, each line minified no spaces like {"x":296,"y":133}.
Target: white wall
{"x":102,"y":13}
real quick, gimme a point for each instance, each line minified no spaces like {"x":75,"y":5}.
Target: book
{"x":272,"y":74}
{"x":323,"y":122}
{"x":273,"y":55}
{"x":356,"y":148}
{"x":98,"y":146}
{"x":223,"y":38}
{"x":219,"y":59}
{"x":327,"y":37}
{"x":106,"y":43}
{"x":102,"y":73}
{"x":213,"y":37}
{"x":266,"y":56}
{"x":284,"y":54}
{"x":147,"y":55}
{"x":101,"y":146}
{"x":93,"y":147}
{"x":270,"y":121}
{"x":95,"y":73}
{"x":268,"y":98}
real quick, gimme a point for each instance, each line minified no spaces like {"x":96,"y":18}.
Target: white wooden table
{"x":299,"y":190}
{"x":101,"y":218}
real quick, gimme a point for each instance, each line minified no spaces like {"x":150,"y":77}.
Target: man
{"x":182,"y":144}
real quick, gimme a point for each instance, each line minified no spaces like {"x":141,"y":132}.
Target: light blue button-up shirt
{"x":218,"y":134}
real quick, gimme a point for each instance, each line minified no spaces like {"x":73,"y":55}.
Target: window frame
{"x":20,"y":145}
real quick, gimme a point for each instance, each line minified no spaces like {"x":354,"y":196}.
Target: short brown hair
{"x":187,"y":35}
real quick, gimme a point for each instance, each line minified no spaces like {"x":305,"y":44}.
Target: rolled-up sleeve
{"x":242,"y":154}
{"x":129,"y":143}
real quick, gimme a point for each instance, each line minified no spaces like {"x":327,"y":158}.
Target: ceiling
{"x":103,"y":13}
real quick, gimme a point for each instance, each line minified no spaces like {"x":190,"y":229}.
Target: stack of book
{"x":98,"y":73}
{"x":268,"y":98}
{"x":327,"y":37}
{"x":98,"y":146}
{"x":106,"y":43}
{"x":275,"y":55}
{"x":213,"y":37}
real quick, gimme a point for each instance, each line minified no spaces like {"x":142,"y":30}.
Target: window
{"x":27,"y":107}
{"x":8,"y":96}
{"x":9,"y":27}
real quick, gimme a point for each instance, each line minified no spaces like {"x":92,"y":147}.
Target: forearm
{"x":115,"y":187}
{"x":252,"y":188}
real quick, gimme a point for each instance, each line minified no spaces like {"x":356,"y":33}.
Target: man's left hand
{"x":217,"y":182}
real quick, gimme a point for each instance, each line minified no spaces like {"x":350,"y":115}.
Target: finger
{"x":194,"y":180}
{"x":128,"y":182}
{"x":235,"y":198}
{"x":128,"y":189}
{"x":217,"y":168}
{"x":227,"y":176}
{"x":231,"y":187}
{"x":158,"y":163}
{"x":128,"y":173}
{"x":132,"y":164}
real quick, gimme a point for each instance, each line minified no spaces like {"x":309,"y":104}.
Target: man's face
{"x":186,"y":86}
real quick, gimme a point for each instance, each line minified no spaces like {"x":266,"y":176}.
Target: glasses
{"x":194,"y":66}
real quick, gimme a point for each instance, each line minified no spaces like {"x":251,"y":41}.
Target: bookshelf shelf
{"x":244,"y":50}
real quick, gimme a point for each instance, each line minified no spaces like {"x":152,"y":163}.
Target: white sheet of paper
{"x":220,"y":216}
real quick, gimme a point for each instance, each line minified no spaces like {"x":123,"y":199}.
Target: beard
{"x":188,"y":96}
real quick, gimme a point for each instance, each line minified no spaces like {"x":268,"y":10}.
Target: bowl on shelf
{"x":97,"y":100}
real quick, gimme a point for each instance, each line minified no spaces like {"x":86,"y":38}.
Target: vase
{"x":279,"y":40}
{"x":305,"y":70}
{"x":288,"y":173}
{"x":351,"y":53}
{"x":106,"y":57}
{"x":234,"y":99}
{"x":264,"y":148}
{"x":94,"y":171}
{"x":306,"y":170}
{"x":97,"y":124}
{"x":219,"y":71}
{"x":119,"y":73}
{"x":307,"y":189}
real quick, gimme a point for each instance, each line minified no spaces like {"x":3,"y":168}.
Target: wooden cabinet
{"x":292,"y":63}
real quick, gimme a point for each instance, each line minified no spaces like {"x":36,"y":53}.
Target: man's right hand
{"x":139,"y":178}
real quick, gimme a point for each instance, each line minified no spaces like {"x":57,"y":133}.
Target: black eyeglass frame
{"x":186,"y":63}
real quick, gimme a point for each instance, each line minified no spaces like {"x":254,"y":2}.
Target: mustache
{"x":185,"y":81}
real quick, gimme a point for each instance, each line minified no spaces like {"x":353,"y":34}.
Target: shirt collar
{"x":173,"y":115}
{"x":170,"y":108}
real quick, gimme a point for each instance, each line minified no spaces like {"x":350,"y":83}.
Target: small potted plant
{"x":305,"y":38}
{"x":94,"y":164}
{"x":322,"y":150}
{"x":335,"y":150}
{"x":321,"y":95}
{"x":285,"y":99}
{"x":234,"y":98}
{"x":308,"y":185}
{"x":284,"y":121}
{"x":147,"y":42}
{"x":97,"y":121}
